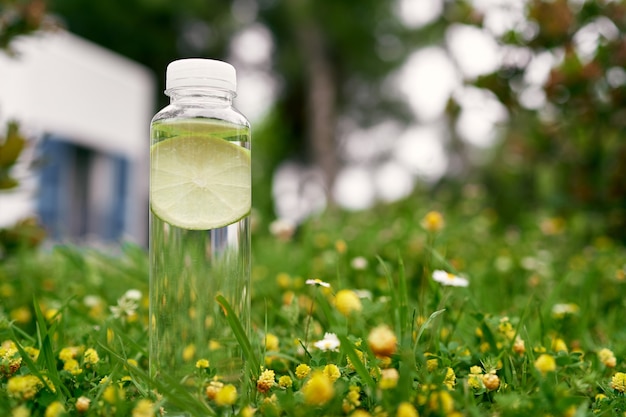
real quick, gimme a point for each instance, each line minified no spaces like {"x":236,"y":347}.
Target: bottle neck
{"x":201,"y":94}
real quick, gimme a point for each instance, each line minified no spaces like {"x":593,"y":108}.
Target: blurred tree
{"x":568,"y":154}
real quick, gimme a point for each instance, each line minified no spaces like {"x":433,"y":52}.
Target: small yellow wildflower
{"x":360,"y":413}
{"x":21,"y":315}
{"x":227,"y":395}
{"x":271,"y":342}
{"x":341,"y":246}
{"x":55,"y":409}
{"x":433,"y":221}
{"x":432,"y":364}
{"x":143,"y":408}
{"x":70,"y":352}
{"x":285,"y":381}
{"x":72,"y":366}
{"x":248,"y":411}
{"x":491,"y":381}
{"x":347,"y":302}
{"x":21,"y":411}
{"x":91,"y":356}
{"x":559,"y":345}
{"x":283,"y":280}
{"x":618,"y":382}
{"x":450,"y":379}
{"x":607,"y":357}
{"x":352,"y":399}
{"x":24,"y":386}
{"x":519,"y":346}
{"x":389,"y":378}
{"x":406,"y":409}
{"x":189,"y":352}
{"x":382,"y":341}
{"x":302,"y":371}
{"x":112,"y":394}
{"x":213,"y":388}
{"x":202,"y":363}
{"x":441,"y":401}
{"x":332,"y":372}
{"x":318,"y":390}
{"x":266,"y":381}
{"x":82,"y":404}
{"x":545,"y":363}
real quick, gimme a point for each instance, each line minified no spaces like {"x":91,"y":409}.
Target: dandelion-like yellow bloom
{"x":389,"y":378}
{"x":607,"y":357}
{"x":347,"y":302}
{"x":271,"y":342}
{"x":332,"y":372}
{"x":24,"y":386}
{"x":618,"y":382}
{"x":143,"y":408}
{"x":302,"y":371}
{"x":266,"y":381}
{"x":285,"y":381}
{"x":545,"y":363}
{"x":202,"y":363}
{"x":433,"y":221}
{"x":227,"y":395}
{"x":318,"y":390}
{"x":54,"y":409}
{"x":382,"y":341}
{"x":82,"y":404}
{"x":91,"y":356}
{"x":406,"y":409}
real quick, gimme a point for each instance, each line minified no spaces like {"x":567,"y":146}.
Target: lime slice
{"x":199,"y":183}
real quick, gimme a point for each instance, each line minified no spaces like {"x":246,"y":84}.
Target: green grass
{"x":540,"y":287}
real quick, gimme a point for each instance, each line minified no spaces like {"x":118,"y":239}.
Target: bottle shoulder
{"x":225,"y":113}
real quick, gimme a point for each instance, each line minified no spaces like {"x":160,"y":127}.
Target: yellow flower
{"x":441,"y":401}
{"x":432,"y":364}
{"x":24,"y":386}
{"x":189,"y":352}
{"x":72,"y":366}
{"x":55,"y":409}
{"x":266,"y":381}
{"x":341,"y":246}
{"x":20,"y":411}
{"x":143,"y":408}
{"x":318,"y":390}
{"x":450,"y":379}
{"x":389,"y":378}
{"x":202,"y":363}
{"x":360,"y":413}
{"x":618,"y":382}
{"x":406,"y":409}
{"x":227,"y":395}
{"x":545,"y":363}
{"x":352,"y":399}
{"x":112,"y":394}
{"x":71,"y":352}
{"x":433,"y":221}
{"x":332,"y":372}
{"x":91,"y":356}
{"x":558,"y":345}
{"x":213,"y":388}
{"x":607,"y":357}
{"x":382,"y":341}
{"x":302,"y":371}
{"x":518,"y":346}
{"x":347,"y":302}
{"x":248,"y":411}
{"x":285,"y":381}
{"x":271,"y":342}
{"x":82,"y":404}
{"x":491,"y":381}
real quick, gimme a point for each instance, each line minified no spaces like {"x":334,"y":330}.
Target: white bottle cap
{"x":199,"y":72}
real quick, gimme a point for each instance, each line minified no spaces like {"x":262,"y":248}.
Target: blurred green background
{"x":361,"y":103}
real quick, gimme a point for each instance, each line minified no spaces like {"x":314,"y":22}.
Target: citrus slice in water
{"x":199,"y":183}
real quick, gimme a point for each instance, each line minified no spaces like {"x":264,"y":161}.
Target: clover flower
{"x":91,"y":356}
{"x":318,"y":390}
{"x":519,"y":346}
{"x":607,"y":357}
{"x":491,"y":381}
{"x":358,"y":263}
{"x":213,"y":388}
{"x":24,"y":386}
{"x":127,"y":305}
{"x":285,"y":381}
{"x":316,"y":282}
{"x":54,"y":409}
{"x":271,"y":342}
{"x":329,"y":342}
{"x":618,"y":382}
{"x":433,"y":221}
{"x":388,"y":378}
{"x":545,"y":363}
{"x":348,"y":302}
{"x":82,"y":404}
{"x":227,"y":395}
{"x":266,"y":381}
{"x":352,"y":399}
{"x":449,"y":280}
{"x":450,"y":379}
{"x":143,"y":408}
{"x":406,"y":409}
{"x":332,"y":372}
{"x":202,"y":363}
{"x":562,"y":310}
{"x":382,"y":341}
{"x":302,"y":371}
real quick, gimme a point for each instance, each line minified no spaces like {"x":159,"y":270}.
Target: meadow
{"x":426,"y":307}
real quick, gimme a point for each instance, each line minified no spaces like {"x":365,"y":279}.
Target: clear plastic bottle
{"x":200,"y":200}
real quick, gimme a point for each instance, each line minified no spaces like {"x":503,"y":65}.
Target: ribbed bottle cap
{"x":199,"y":72}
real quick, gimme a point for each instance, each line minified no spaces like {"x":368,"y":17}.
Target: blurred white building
{"x":89,"y":111}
